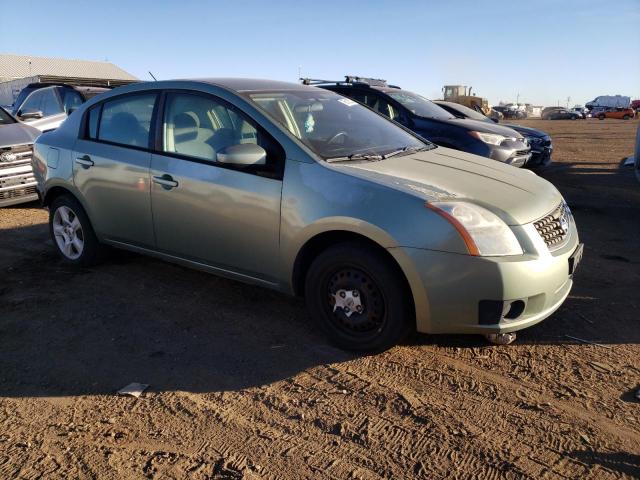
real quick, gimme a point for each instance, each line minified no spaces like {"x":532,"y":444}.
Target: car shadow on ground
{"x":71,"y":331}
{"x":619,"y":462}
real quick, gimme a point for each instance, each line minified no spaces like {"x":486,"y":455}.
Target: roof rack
{"x":317,"y":81}
{"x":372,"y":82}
{"x":349,"y":79}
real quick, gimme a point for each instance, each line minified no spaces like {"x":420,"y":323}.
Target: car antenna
{"x":152,"y":76}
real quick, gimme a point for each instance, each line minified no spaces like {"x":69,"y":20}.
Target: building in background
{"x":18,"y":71}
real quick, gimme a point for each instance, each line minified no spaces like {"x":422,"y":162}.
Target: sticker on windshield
{"x":309,"y":123}
{"x":348,"y":102}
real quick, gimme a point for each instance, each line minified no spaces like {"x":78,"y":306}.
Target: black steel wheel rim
{"x":372,"y":319}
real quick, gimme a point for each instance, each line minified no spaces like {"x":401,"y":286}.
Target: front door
{"x":111,"y":168}
{"x":210,"y":212}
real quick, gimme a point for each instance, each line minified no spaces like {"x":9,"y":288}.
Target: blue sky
{"x":545,"y":50}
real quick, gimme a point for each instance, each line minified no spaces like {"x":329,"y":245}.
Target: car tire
{"x":72,"y":233}
{"x":600,"y":117}
{"x":626,"y":117}
{"x":375,"y":313}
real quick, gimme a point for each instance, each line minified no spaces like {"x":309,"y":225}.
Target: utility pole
{"x":518,"y":99}
{"x":299,"y":71}
{"x":568,"y":101}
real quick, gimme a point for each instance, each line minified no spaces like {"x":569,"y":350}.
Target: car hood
{"x":485,"y":127}
{"x":516,"y":195}
{"x":17,"y":134}
{"x":528,"y":131}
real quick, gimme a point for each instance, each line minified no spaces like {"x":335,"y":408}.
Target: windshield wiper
{"x":355,"y":156}
{"x":372,"y":157}
{"x":407,"y":150}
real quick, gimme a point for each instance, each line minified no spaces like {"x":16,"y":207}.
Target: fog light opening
{"x":513,"y":309}
{"x":491,"y":312}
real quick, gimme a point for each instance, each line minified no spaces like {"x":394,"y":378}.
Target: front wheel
{"x":626,"y":117}
{"x":358,"y":298}
{"x":72,"y":233}
{"x":600,"y":117}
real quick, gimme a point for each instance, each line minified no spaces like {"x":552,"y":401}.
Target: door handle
{"x":85,"y":161}
{"x":166,"y":181}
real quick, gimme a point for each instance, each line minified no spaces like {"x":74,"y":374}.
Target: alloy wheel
{"x":67,"y":231}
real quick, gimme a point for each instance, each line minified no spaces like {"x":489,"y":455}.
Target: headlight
{"x":490,"y":138}
{"x":484,"y":233}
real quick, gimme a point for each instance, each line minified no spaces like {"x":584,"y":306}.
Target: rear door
{"x":208,"y":212}
{"x":111,"y":168}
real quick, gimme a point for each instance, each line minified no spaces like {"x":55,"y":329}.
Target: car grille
{"x":554,"y":228}
{"x":522,"y":153}
{"x":16,"y":174}
{"x":17,"y":192}
{"x":15,"y":155}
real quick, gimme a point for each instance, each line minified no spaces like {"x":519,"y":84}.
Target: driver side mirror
{"x":29,"y":114}
{"x":243,"y":154}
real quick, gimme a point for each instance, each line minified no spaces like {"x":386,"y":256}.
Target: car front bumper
{"x":541,"y":156}
{"x":512,"y":156}
{"x":449,"y":287}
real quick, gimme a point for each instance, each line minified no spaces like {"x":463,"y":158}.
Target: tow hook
{"x":501,"y":338}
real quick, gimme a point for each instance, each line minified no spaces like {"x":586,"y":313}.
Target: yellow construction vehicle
{"x":460,"y":94}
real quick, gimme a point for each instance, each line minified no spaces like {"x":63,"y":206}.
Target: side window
{"x":33,"y":102}
{"x":378,"y":103}
{"x":94,"y":116}
{"x":72,"y":100}
{"x":392,"y":112}
{"x":201,"y":127}
{"x":127,"y":120}
{"x":50,"y":102}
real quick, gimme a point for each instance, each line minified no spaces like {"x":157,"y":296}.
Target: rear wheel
{"x":626,"y":117}
{"x":600,"y":117}
{"x":72,"y":233}
{"x":358,"y":298}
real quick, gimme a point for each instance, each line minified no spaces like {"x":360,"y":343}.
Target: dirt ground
{"x":242,"y":386}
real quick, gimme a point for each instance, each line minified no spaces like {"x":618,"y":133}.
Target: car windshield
{"x":5,"y":118}
{"x":335,"y":127}
{"x":419,"y":105}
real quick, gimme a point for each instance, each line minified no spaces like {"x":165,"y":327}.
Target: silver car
{"x":45,"y":105}
{"x":304,"y":191}
{"x":17,"y":184}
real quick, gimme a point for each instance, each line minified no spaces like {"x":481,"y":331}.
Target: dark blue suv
{"x":432,"y":122}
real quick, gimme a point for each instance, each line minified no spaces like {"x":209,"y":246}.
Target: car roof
{"x":248,"y":84}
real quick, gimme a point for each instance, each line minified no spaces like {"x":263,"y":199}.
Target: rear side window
{"x":94,"y":116}
{"x":125,"y":121}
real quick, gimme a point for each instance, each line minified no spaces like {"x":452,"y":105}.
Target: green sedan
{"x":302,"y":190}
